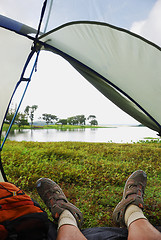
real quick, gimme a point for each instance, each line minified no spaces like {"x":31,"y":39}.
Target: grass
{"x":92,"y":175}
{"x":71,"y":127}
{"x":14,"y":126}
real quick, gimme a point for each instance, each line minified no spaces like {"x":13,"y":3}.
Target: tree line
{"x":23,"y":119}
{"x":78,"y":120}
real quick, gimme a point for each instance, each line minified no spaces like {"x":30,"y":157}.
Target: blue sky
{"x":57,"y":88}
{"x":118,"y":12}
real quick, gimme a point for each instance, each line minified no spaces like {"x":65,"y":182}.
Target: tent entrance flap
{"x":117,"y":62}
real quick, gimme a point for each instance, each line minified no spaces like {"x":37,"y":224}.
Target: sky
{"x":59,"y":89}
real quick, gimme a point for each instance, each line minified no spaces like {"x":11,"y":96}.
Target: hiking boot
{"x":133,"y":194}
{"x":55,"y":200}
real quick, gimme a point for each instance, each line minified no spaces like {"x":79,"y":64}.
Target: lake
{"x":124,"y":134}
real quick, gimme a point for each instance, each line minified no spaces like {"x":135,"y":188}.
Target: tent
{"x":122,"y":65}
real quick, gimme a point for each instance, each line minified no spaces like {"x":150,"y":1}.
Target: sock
{"x":66,"y":218}
{"x":132,"y":214}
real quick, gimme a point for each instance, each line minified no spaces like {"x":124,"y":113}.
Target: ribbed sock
{"x":132,"y":214}
{"x":66,"y":218}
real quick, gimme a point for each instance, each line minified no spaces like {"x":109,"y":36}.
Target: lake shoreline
{"x":123,"y":134}
{"x":61,"y":127}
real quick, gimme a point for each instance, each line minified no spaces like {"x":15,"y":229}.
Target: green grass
{"x":14,"y":126}
{"x":92,"y":175}
{"x":70,"y":127}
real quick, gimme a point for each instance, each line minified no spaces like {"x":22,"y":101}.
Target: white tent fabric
{"x":14,"y":52}
{"x":1,"y":177}
{"x":129,"y":63}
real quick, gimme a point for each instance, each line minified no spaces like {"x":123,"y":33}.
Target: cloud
{"x":150,"y":27}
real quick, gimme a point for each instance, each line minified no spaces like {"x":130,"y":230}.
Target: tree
{"x":75,"y":120}
{"x":93,"y":120}
{"x":9,"y":116}
{"x":21,"y":120}
{"x":81,"y":119}
{"x":91,"y":117}
{"x":62,"y":121}
{"x":49,"y":118}
{"x":30,"y":111}
{"x":71,"y":121}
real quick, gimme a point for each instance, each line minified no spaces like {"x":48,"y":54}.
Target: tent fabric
{"x":126,"y":64}
{"x":14,"y":52}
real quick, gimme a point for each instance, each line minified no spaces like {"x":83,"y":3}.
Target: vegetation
{"x":21,"y":119}
{"x":71,"y":127}
{"x":78,"y":120}
{"x":92,"y":175}
{"x":92,"y":119}
{"x":30,"y":111}
{"x":56,"y":126}
{"x":49,"y":118}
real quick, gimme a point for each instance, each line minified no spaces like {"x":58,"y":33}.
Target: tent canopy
{"x":97,"y":40}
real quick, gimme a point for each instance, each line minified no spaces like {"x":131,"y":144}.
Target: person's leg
{"x":129,"y":212}
{"x":69,"y":232}
{"x":67,"y":227}
{"x":141,"y":229}
{"x":69,"y":217}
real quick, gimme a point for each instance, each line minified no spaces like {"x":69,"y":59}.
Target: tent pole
{"x":49,"y":12}
{"x":28,"y":81}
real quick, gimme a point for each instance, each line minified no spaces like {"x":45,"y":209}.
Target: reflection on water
{"x":117,"y":134}
{"x":15,"y":132}
{"x":70,"y":129}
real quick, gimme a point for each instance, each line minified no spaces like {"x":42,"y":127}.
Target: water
{"x":116,"y":135}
